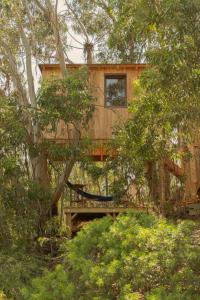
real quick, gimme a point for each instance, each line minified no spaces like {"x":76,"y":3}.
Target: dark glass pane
{"x":115,"y":90}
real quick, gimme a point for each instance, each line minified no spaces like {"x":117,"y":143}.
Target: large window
{"x":115,"y":90}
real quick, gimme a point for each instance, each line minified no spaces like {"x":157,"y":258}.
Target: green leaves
{"x":17,"y":267}
{"x":166,"y":103}
{"x":126,"y":259}
{"x":52,"y":286}
{"x":68,"y":99}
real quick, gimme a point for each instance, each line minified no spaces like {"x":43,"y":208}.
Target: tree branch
{"x":173,"y":168}
{"x":59,"y":44}
{"x":79,"y":22}
{"x":41,"y":7}
{"x":31,"y":87}
{"x":12,"y":63}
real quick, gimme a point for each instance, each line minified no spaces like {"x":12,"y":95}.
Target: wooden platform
{"x":78,"y":213}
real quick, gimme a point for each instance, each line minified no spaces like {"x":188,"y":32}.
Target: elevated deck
{"x":79,"y":212}
{"x":99,"y":207}
{"x":76,"y":214}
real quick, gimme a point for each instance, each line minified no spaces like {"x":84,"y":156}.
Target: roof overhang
{"x":92,"y":66}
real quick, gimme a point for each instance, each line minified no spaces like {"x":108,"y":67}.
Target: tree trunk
{"x":40,"y":171}
{"x":88,"y":51}
{"x":173,"y":168}
{"x":162,"y":196}
{"x":153,"y":181}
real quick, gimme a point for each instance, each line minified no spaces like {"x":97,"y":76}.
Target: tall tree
{"x":165,"y":124}
{"x":31,"y":32}
{"x":117,"y":28}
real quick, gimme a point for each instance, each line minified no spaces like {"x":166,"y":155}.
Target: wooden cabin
{"x":113,"y":90}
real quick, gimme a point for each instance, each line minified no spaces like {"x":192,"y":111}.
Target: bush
{"x":17,"y":269}
{"x":133,"y":256}
{"x":162,"y":294}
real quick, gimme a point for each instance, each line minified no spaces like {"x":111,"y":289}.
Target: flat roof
{"x":56,"y":66}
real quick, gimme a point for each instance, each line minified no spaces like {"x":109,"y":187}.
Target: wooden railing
{"x":73,"y":200}
{"x":96,"y":204}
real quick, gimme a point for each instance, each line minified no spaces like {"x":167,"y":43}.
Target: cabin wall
{"x":104,"y":118}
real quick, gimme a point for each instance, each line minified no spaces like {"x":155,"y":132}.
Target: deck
{"x":101,"y":207}
{"x":76,"y":214}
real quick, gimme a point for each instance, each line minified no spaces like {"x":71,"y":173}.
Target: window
{"x":115,"y":90}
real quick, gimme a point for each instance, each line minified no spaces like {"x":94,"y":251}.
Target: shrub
{"x":17,"y":269}
{"x":125,"y":259}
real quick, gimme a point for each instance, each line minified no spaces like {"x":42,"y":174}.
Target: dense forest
{"x":152,"y":255}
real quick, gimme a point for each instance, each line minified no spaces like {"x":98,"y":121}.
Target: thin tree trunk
{"x":153,"y":181}
{"x":162,"y":196}
{"x":61,"y":185}
{"x":59,"y":46}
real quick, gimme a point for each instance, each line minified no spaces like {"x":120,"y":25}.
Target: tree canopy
{"x":154,"y":148}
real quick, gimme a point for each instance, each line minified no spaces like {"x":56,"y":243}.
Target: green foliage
{"x":17,"y":268}
{"x":53,"y":285}
{"x":137,"y":254}
{"x":166,"y":105}
{"x":161,"y":293}
{"x":124,"y":260}
{"x":24,"y":202}
{"x":126,"y":41}
{"x":68,"y":99}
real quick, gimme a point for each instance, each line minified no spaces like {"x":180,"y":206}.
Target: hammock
{"x":88,"y":195}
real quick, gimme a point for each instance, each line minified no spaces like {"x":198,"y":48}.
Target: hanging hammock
{"x":88,"y":195}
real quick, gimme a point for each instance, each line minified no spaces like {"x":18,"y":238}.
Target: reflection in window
{"x":115,"y":90}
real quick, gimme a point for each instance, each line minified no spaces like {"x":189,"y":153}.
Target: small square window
{"x":115,"y":90}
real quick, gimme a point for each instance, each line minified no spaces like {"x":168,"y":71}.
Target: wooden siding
{"x":104,"y":118}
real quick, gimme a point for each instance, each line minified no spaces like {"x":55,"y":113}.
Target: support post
{"x":114,"y":216}
{"x":106,"y":184}
{"x":162,"y":186}
{"x":69,"y":224}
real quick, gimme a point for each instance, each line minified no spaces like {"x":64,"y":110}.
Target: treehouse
{"x":113,"y":89}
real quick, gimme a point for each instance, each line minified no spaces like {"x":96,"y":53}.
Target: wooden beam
{"x":173,"y":168}
{"x":74,"y":216}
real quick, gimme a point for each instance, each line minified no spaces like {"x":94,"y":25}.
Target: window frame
{"x":115,"y":75}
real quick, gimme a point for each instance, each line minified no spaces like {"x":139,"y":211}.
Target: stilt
{"x":106,"y":184}
{"x":61,"y":210}
{"x":114,"y":216}
{"x":73,"y":216}
{"x":69,"y":224}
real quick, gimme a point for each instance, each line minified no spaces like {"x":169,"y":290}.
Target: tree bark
{"x":162,"y":196}
{"x":173,"y":168}
{"x":40,"y":170}
{"x":59,"y":46}
{"x":153,"y":181}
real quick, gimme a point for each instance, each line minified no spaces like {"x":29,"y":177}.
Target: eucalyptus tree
{"x":33,"y":32}
{"x":166,"y":110}
{"x":114,"y":27}
{"x":164,"y":34}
